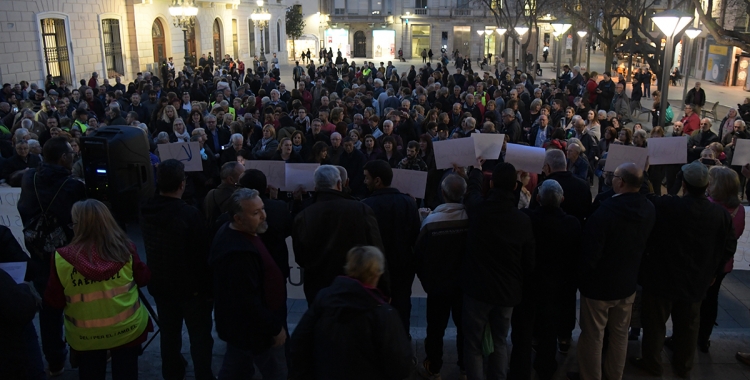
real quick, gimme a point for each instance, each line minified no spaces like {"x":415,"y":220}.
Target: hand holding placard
{"x":527,"y":158}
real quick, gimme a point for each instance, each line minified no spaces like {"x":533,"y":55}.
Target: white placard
{"x":488,"y":145}
{"x":189,"y":153}
{"x":741,"y":155}
{"x":9,"y":216}
{"x":527,"y":158}
{"x":297,"y":175}
{"x":275,"y":171}
{"x":454,"y":151}
{"x":667,"y":150}
{"x":412,"y":182}
{"x":17,"y":270}
{"x":620,"y":154}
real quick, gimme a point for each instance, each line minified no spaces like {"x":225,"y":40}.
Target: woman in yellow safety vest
{"x":95,"y":281}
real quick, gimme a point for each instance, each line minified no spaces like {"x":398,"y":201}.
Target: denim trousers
{"x":476,"y":316}
{"x":238,"y":364}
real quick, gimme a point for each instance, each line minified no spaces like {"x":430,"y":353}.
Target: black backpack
{"x":44,"y":233}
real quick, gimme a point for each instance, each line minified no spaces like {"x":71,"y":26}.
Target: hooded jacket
{"x":350,"y":329}
{"x":177,"y":246}
{"x":616,"y":236}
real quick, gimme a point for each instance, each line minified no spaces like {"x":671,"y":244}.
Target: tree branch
{"x":721,"y":35}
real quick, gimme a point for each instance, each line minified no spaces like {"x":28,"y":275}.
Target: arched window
{"x":55,"y":45}
{"x":360,"y":43}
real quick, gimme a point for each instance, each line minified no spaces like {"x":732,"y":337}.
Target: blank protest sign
{"x":741,"y":153}
{"x":297,"y":175}
{"x":527,"y":158}
{"x":458,"y":151}
{"x":620,"y":154}
{"x":412,"y":182}
{"x":667,"y":150}
{"x":275,"y":171}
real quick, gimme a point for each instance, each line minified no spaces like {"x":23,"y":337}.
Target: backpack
{"x":45,"y":234}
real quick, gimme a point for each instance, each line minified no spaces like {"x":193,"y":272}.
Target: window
{"x":420,"y":4}
{"x":496,"y":4}
{"x":218,"y":56}
{"x":358,"y":7}
{"x":235,"y":40}
{"x":251,"y":36}
{"x":339,"y":7}
{"x":620,"y":23}
{"x":157,"y":39}
{"x":529,"y":7}
{"x":112,"y":47}
{"x":55,"y":45}
{"x":266,"y":40}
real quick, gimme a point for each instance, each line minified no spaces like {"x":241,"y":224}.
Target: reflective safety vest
{"x":104,"y":314}
{"x":81,"y":125}
{"x":481,"y":97}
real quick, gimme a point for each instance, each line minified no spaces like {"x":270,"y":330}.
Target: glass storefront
{"x":384,"y":44}
{"x":338,"y":39}
{"x":420,"y":39}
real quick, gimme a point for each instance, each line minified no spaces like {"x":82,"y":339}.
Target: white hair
{"x":235,"y":137}
{"x":556,"y":160}
{"x":550,"y":193}
{"x":326,"y":177}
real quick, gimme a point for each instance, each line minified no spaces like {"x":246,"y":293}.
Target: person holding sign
{"x":398,"y":223}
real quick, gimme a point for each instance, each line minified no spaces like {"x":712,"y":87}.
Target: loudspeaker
{"x":117,"y":169}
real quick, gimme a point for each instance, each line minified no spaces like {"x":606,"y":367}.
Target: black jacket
{"x":223,"y":139}
{"x":700,"y":140}
{"x":557,"y":248}
{"x":49,"y":180}
{"x":577,"y":195}
{"x":241,"y":308}
{"x":354,"y":164}
{"x":350,"y":329}
{"x":16,"y":163}
{"x":441,"y":247}
{"x":398,"y":222}
{"x":280,"y":222}
{"x":501,"y":246}
{"x":610,"y":258}
{"x":693,"y":241}
{"x":325,"y":231}
{"x":177,"y":247}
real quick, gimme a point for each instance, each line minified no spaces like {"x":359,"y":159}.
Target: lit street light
{"x":520,"y":30}
{"x":671,"y":23}
{"x":691,"y":33}
{"x":560,"y":26}
{"x":501,"y":32}
{"x":581,"y":35}
{"x":261,"y":17}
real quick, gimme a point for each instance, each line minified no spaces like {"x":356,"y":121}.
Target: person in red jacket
{"x":591,"y":86}
{"x":690,"y":121}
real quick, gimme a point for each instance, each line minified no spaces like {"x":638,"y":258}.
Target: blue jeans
{"x":238,"y":364}
{"x":476,"y":315}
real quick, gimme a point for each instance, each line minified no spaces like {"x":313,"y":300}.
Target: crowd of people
{"x":495,"y":248}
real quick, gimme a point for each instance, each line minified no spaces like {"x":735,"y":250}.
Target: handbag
{"x":44,"y":234}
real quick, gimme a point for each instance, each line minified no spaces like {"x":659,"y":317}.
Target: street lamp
{"x":480,"y":33}
{"x":671,"y":23}
{"x":501,"y":32}
{"x":560,"y":26}
{"x":691,"y":33}
{"x":260,"y":18}
{"x":183,"y":14}
{"x":520,"y":30}
{"x":581,"y":35}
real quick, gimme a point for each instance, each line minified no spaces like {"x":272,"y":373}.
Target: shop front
{"x":338,"y":39}
{"x":384,"y":44}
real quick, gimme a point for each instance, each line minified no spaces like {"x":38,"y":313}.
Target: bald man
{"x":608,"y":272}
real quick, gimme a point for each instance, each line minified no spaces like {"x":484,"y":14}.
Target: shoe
{"x":635,"y":333}
{"x":704,"y":346}
{"x":743,"y":357}
{"x":56,"y":370}
{"x":669,"y":343}
{"x":641,"y":364}
{"x":563,"y":346}
{"x":425,"y":373}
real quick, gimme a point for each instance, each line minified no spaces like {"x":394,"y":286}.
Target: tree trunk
{"x":609,"y":53}
{"x":294,"y":49}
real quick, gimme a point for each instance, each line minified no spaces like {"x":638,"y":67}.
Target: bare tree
{"x":724,"y":34}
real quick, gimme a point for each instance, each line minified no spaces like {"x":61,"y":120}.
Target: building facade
{"x":378,"y":29}
{"x":71,"y":39}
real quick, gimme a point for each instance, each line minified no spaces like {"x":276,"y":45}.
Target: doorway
{"x":461,"y":39}
{"x":218,"y":56}
{"x":158,"y":40}
{"x":360,"y":44}
{"x":420,"y":39}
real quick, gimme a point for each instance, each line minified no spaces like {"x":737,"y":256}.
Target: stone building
{"x":70,"y":39}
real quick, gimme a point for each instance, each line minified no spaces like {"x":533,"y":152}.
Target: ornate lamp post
{"x":671,"y":23}
{"x":480,"y":32}
{"x":183,"y":14}
{"x":261,"y":17}
{"x":501,"y":32}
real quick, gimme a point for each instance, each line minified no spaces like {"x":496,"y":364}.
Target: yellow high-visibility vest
{"x":100,"y":314}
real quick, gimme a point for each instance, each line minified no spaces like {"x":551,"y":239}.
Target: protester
{"x":249,"y":293}
{"x":177,"y":248}
{"x":95,"y":280}
{"x":324,"y":232}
